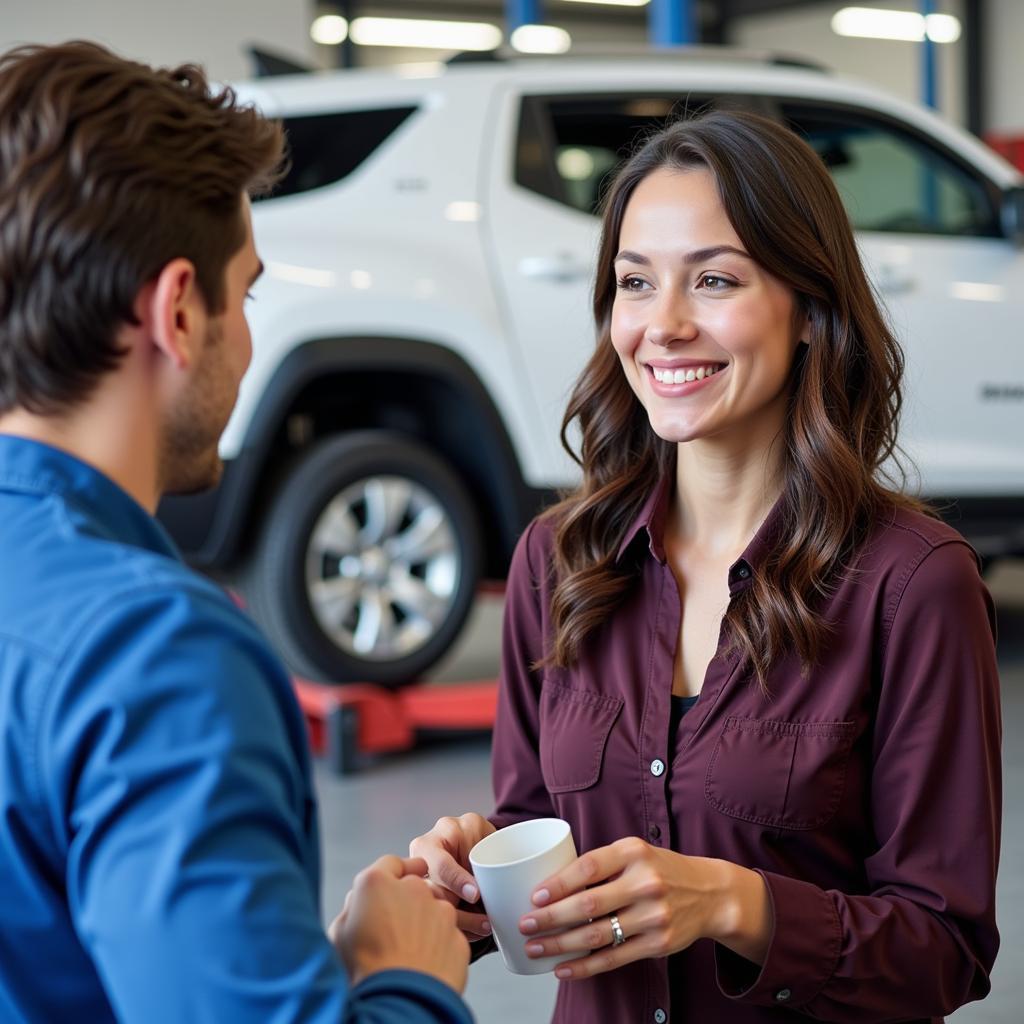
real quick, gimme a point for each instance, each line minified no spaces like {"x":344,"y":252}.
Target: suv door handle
{"x":894,"y":280}
{"x":563,"y":267}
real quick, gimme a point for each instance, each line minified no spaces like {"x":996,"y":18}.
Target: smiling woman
{"x":736,"y":658}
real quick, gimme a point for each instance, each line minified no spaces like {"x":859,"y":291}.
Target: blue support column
{"x":929,"y":96}
{"x":672,"y":22}
{"x":521,"y":12}
{"x":929,"y":87}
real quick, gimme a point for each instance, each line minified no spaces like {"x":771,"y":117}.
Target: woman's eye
{"x":631,"y":284}
{"x":713,"y":283}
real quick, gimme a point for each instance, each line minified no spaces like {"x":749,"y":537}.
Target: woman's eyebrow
{"x":697,"y":256}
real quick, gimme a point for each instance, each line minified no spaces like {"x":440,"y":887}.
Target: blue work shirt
{"x":159,"y":851}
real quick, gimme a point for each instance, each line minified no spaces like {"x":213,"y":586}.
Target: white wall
{"x":1004,"y":71}
{"x":210,"y":32}
{"x":894,"y":66}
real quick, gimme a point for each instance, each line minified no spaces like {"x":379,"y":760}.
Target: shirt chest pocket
{"x":574,"y":728}
{"x":779,"y":774}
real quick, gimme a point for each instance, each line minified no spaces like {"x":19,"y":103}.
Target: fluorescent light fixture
{"x":463,"y":210}
{"x":876,"y":23}
{"x":612,"y":3}
{"x":942,"y":28}
{"x":329,"y":29}
{"x":541,"y":39}
{"x":429,"y":35}
{"x":361,"y":279}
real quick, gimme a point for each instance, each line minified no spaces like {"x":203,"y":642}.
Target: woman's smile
{"x":678,"y":380}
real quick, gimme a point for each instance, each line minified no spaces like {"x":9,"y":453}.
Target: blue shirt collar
{"x":33,"y":467}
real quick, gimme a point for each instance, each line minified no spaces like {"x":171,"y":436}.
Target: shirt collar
{"x":652,"y":518}
{"x":32,"y":467}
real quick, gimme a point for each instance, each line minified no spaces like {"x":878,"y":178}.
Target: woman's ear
{"x":803,"y":327}
{"x":173,"y":313}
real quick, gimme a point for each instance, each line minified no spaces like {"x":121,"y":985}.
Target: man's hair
{"x":110,"y":169}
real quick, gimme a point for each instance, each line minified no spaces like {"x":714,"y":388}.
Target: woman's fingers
{"x":579,"y":904}
{"x":585,"y":938}
{"x":475,"y":926}
{"x":596,"y":941}
{"x":589,"y":869}
{"x":472,"y":922}
{"x":608,"y":958}
{"x":439,"y":848}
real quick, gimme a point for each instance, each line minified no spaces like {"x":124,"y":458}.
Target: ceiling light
{"x":612,"y":3}
{"x":430,"y":35}
{"x":541,"y":39}
{"x":873,"y":23}
{"x":329,"y":29}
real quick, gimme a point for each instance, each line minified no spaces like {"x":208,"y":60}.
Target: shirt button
{"x":660,"y":1016}
{"x":657,"y":768}
{"x":782,"y":995}
{"x":654,"y":833}
{"x":743,"y":572}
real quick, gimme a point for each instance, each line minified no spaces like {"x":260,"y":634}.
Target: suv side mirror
{"x":1011,"y":215}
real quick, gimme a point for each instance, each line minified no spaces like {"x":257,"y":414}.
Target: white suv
{"x":426,"y":309}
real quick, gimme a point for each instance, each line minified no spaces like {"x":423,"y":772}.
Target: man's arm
{"x":183,"y":794}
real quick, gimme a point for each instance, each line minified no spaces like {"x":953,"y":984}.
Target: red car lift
{"x":348,"y":721}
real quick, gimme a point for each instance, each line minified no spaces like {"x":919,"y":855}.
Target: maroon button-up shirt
{"x":867,"y":795}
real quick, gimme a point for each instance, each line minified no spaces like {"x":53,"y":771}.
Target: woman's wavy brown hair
{"x":843,"y":409}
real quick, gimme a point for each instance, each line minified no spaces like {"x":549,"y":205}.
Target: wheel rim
{"x":382,"y":568}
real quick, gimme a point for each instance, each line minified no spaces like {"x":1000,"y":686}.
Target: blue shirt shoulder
{"x":158,"y":841}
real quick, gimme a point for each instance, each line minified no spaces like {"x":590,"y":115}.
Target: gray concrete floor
{"x":400,"y":796}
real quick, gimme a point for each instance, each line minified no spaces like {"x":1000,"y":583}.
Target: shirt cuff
{"x":411,"y":996}
{"x":479,"y":948}
{"x":803,"y":952}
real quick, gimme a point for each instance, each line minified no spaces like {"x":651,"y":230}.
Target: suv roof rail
{"x":710,"y":53}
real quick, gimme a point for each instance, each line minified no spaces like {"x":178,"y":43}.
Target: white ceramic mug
{"x":508,"y":865}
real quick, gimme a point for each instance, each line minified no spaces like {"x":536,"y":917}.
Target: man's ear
{"x":173,"y":313}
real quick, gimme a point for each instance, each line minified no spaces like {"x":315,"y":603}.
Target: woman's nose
{"x":671,"y":320}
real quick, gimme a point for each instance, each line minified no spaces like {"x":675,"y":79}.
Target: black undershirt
{"x":680,"y":705}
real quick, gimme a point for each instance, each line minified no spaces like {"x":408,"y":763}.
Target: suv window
{"x":568,"y":147}
{"x":324,"y":148}
{"x":891,"y":179}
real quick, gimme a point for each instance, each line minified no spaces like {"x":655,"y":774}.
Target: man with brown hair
{"x":158,"y":837}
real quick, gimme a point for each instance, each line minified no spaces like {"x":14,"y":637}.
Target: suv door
{"x":928,"y":226}
{"x":553,"y":156}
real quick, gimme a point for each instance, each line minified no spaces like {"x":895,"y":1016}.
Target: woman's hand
{"x":446,"y":848}
{"x":663,"y":902}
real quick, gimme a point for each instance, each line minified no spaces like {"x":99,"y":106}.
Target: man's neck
{"x":100,"y":434}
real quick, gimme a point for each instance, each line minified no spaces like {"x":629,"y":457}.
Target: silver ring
{"x":617,"y":936}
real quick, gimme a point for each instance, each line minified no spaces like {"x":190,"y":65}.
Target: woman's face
{"x":706,"y":337}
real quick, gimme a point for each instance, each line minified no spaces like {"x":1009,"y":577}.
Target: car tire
{"x":367,"y":561}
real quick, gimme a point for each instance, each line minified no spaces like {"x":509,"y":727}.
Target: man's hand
{"x":391,"y":919}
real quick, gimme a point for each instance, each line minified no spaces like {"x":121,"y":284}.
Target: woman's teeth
{"x":684,"y":376}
